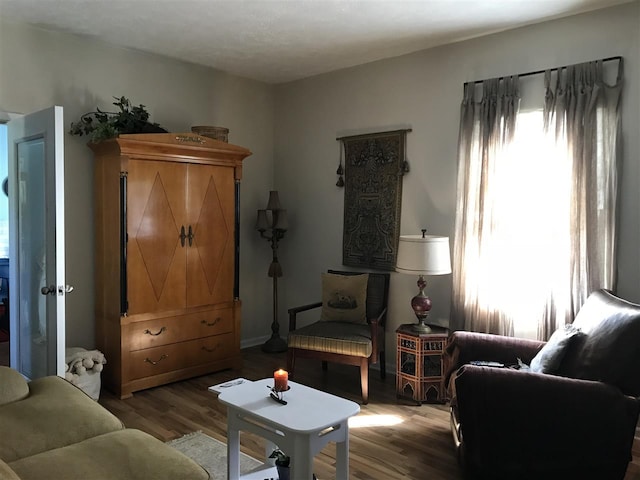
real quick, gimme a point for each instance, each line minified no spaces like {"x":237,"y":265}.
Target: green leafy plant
{"x":282,"y":460}
{"x":100,"y":125}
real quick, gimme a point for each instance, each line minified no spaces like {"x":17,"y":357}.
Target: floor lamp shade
{"x":423,"y":255}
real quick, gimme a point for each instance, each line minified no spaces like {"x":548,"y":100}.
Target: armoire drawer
{"x":167,"y":358}
{"x":168,"y":330}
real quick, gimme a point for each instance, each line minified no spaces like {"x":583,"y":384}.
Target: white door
{"x":36,"y":243}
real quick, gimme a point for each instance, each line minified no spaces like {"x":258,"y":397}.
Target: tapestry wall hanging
{"x":374,"y":165}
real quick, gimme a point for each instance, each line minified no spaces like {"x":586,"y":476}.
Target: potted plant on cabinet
{"x":282,"y":463}
{"x":101,"y":125}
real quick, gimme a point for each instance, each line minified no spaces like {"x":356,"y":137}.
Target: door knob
{"x":66,"y":289}
{"x":50,"y":290}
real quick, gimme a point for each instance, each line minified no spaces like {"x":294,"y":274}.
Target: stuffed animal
{"x":79,"y":361}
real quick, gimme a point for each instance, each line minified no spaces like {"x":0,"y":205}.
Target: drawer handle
{"x":149,"y":332}
{"x":210,"y":350}
{"x":162,"y":357}
{"x":211,"y":324}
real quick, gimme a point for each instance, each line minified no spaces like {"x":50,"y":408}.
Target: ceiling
{"x":276,"y":41}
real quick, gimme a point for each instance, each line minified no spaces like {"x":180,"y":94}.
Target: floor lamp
{"x":272,"y":224}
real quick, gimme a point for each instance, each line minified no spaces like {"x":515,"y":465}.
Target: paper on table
{"x":219,"y":388}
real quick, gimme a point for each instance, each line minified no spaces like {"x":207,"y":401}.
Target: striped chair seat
{"x":334,"y":337}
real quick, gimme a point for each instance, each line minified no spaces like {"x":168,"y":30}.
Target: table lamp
{"x":423,"y":255}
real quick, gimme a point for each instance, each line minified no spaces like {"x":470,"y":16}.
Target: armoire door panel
{"x":211,"y":210}
{"x":155,"y":220}
{"x":141,"y":294}
{"x":142,"y":176}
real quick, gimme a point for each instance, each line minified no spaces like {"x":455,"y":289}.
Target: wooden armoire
{"x":167,"y":285}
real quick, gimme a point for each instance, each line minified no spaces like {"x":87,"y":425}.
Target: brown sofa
{"x":50,"y":429}
{"x":577,"y":420}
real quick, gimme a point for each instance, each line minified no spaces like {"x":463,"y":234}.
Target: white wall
{"x":40,"y":68}
{"x":423,"y":91}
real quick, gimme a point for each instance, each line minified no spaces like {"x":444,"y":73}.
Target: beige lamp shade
{"x":274,"y":200}
{"x":428,"y":255}
{"x":263,"y":221}
{"x":280,"y":221}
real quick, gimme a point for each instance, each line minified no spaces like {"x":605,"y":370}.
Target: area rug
{"x":211,"y":454}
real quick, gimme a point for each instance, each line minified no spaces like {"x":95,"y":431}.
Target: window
{"x":537,"y":191}
{"x":524,"y":254}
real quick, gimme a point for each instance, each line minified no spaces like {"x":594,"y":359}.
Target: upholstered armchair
{"x":351,"y":326}
{"x":572,"y":414}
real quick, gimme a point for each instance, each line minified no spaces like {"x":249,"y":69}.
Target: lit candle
{"x":280,"y":379}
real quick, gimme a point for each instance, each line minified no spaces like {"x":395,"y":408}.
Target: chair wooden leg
{"x":291,"y":361}
{"x":325,"y":366}
{"x":364,"y":380}
{"x":383,"y":365}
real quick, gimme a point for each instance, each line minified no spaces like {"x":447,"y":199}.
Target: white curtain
{"x":535,"y":220}
{"x":583,"y":113}
{"x":486,"y":130}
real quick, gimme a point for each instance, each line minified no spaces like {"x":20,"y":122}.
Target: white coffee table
{"x":309,"y":421}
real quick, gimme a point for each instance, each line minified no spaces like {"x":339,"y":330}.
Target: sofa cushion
{"x":7,"y":473}
{"x":124,"y":455}
{"x":14,"y":386}
{"x":344,"y":298}
{"x":549,"y":358}
{"x":55,"y":414}
{"x":609,"y":351}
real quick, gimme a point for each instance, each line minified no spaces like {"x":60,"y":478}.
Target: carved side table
{"x":419,"y":368}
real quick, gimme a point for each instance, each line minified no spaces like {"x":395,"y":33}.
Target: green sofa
{"x":51,"y":429}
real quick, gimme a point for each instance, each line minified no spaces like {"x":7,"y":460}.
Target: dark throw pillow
{"x":550,"y":356}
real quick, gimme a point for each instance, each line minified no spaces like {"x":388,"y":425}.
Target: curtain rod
{"x":538,"y":72}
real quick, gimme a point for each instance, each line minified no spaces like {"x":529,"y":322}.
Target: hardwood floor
{"x":419,"y":446}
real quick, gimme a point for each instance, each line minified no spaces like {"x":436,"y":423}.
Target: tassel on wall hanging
{"x":340,"y":170}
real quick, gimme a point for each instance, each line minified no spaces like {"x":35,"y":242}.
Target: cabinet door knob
{"x":210,"y":349}
{"x":191,"y":235}
{"x":183,"y":235}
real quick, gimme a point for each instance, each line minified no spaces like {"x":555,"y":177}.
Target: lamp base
{"x":421,"y":305}
{"x":274,"y":345}
{"x":422,"y":327}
